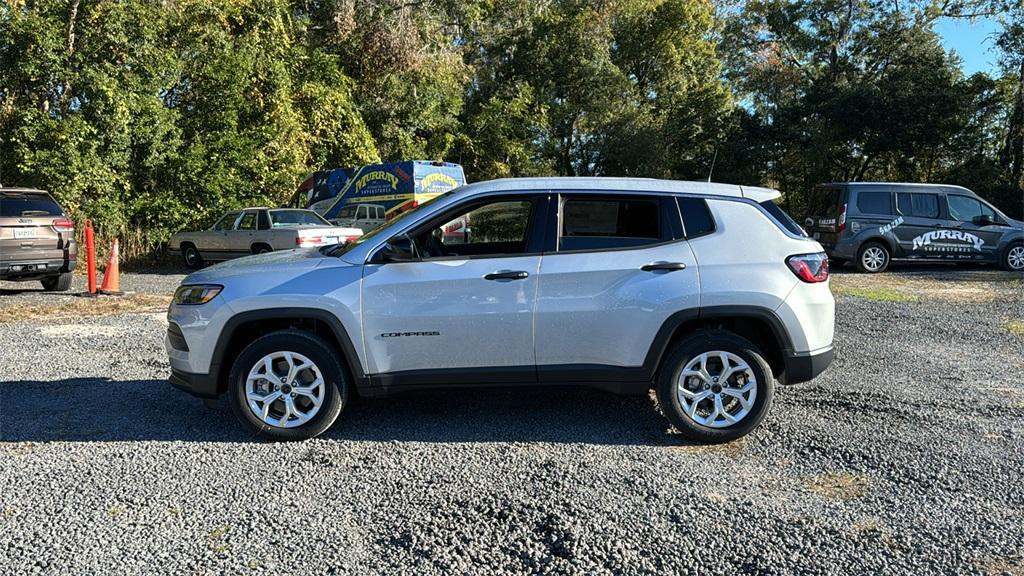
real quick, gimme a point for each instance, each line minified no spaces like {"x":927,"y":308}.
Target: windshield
{"x":296,"y":218}
{"x":339,"y":249}
{"x":348,"y":212}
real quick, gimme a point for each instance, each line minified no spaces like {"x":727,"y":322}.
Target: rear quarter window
{"x":783,"y":218}
{"x":697,"y":220}
{"x":875,"y":202}
{"x":824,"y":201}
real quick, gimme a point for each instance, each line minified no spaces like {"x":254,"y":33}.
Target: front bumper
{"x":201,"y":385}
{"x":805,"y":367}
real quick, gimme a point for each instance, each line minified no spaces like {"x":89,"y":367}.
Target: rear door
{"x":619,"y":268}
{"x":824,"y":209}
{"x":242,"y":237}
{"x":29,"y":239}
{"x":923,"y":221}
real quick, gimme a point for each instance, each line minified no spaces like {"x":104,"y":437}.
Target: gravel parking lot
{"x":905,"y":457}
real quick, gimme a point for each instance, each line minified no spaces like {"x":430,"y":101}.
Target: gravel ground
{"x":22,"y":293}
{"x":904,"y":457}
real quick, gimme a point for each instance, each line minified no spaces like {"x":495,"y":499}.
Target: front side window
{"x":919,"y":205}
{"x":248,"y":221}
{"x":874,"y":202}
{"x":491,"y":229}
{"x":966,"y":209}
{"x":227,"y":221}
{"x":603,"y":223}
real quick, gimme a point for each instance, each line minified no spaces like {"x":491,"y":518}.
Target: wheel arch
{"x":245,"y":327}
{"x":760,"y":325}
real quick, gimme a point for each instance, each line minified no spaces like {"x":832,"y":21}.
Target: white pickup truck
{"x":257,"y":230}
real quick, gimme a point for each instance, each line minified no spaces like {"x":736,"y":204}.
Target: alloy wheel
{"x":1015,"y":258}
{"x":873,"y":258}
{"x":285,"y":389}
{"x":716,"y":389}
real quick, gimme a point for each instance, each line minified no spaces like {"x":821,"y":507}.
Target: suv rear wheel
{"x":873,"y":257}
{"x":715,"y":387}
{"x":60,"y":283}
{"x":288,"y":385}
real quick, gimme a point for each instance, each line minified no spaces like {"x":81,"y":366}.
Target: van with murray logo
{"x":873,"y":223}
{"x":367,"y":196}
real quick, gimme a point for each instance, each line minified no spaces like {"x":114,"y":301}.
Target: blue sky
{"x":974,"y":42}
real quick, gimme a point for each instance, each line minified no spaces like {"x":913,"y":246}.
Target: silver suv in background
{"x":707,"y":293}
{"x":874,"y":223}
{"x":37,"y":239}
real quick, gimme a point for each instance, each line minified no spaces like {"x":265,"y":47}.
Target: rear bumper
{"x":804,"y":367}
{"x":201,"y":385}
{"x":32,"y":268}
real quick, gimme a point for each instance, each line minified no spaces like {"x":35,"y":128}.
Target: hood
{"x":270,"y":265}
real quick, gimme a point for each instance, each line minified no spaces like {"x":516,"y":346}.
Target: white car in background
{"x":258,"y":230}
{"x":366,"y":217}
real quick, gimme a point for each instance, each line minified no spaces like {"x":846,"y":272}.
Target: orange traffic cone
{"x":112,"y":274}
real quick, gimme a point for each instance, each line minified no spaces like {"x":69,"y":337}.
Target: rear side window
{"x":28,"y":205}
{"x":919,"y":205}
{"x":874,"y":202}
{"x":248,"y":221}
{"x":602,"y":223}
{"x":697,"y":219}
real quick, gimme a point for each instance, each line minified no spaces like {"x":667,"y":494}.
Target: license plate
{"x":24,"y":232}
{"x":330,"y":239}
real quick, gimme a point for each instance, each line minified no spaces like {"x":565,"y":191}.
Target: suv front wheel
{"x":288,"y":385}
{"x":715,"y":387}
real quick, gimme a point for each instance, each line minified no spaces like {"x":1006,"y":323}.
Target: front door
{"x":979,"y":227}
{"x":459,"y":313}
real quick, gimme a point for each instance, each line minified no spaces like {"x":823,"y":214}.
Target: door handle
{"x":666,"y":266}
{"x":507,"y":275}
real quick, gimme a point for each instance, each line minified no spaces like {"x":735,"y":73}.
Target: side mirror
{"x":982,"y":220}
{"x":399,"y":249}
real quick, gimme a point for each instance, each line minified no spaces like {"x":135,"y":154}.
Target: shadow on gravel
{"x":100,"y":410}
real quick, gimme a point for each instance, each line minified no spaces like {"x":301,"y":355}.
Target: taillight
{"x":811,"y":268}
{"x":63,"y":225}
{"x":841,"y":222}
{"x":307,"y":240}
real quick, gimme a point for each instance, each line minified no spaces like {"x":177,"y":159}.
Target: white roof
{"x":754,"y":193}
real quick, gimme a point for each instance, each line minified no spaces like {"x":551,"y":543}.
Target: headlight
{"x":196,"y":294}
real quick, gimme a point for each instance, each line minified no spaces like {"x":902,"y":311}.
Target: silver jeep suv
{"x":707,"y":293}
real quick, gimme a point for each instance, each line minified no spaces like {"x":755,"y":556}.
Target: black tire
{"x":867,"y":265}
{"x":685,"y":351}
{"x":1005,"y":263}
{"x":260,"y":249}
{"x":190,"y":254}
{"x":59,"y":283}
{"x":312,"y":347}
